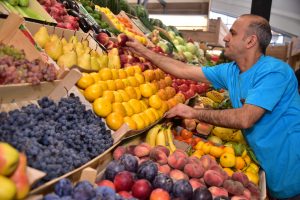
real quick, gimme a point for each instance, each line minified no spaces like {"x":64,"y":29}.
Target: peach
{"x":213,"y":178}
{"x":241,"y":177}
{"x":220,"y":170}
{"x":247,"y":193}
{"x":255,"y":192}
{"x":102,"y":38}
{"x":164,"y":169}
{"x":240,"y":197}
{"x":122,"y":39}
{"x":178,"y":159}
{"x":194,"y":160}
{"x":118,"y":152}
{"x":158,"y":156}
{"x":207,"y":162}
{"x":176,"y":175}
{"x":189,"y":124}
{"x":130,"y":149}
{"x":142,"y":150}
{"x":218,"y":191}
{"x":234,"y":187}
{"x":196,"y":183}
{"x":194,"y":170}
{"x":163,"y":148}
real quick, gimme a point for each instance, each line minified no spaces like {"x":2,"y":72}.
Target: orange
{"x":111,"y":85}
{"x":170,"y":92}
{"x":109,"y":95}
{"x":154,"y":86}
{"x":102,"y":107}
{"x":138,"y":93}
{"x":216,"y":151}
{"x":125,"y":82}
{"x":254,"y":178}
{"x":228,"y":171}
{"x":85,"y":81}
{"x":162,"y":94}
{"x":93,"y":92}
{"x":155,"y":102}
{"x":227,"y":160}
{"x":118,"y":107}
{"x":132,"y":81}
{"x":131,"y":92}
{"x":135,"y":105}
{"x":105,"y":74}
{"x":130,"y":122}
{"x":96,"y":76}
{"x":122,"y":74}
{"x":114,"y":74}
{"x":130,"y":71}
{"x":128,"y":109}
{"x":103,"y":84}
{"x":114,"y":120}
{"x":140,"y":124}
{"x":229,"y":150}
{"x":172,"y":102}
{"x":124,"y":95}
{"x":119,"y":84}
{"x":140,"y":78}
{"x":146,"y":90}
{"x":168,"y":80}
{"x":117,"y":97}
{"x":239,"y":162}
{"x":180,"y":98}
{"x":149,"y":75}
{"x":164,"y":106}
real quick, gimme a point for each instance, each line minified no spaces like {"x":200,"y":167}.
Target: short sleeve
{"x":217,"y":75}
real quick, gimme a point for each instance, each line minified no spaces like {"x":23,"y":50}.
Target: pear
{"x":94,"y":63}
{"x":87,"y":50}
{"x":67,"y":60}
{"x":103,"y":61}
{"x":42,"y":36}
{"x":94,"y":53}
{"x":79,"y":49}
{"x":73,"y":39}
{"x":64,"y":41}
{"x":68,"y":47}
{"x":8,"y":189}
{"x":54,"y":49}
{"x":9,"y":158}
{"x":20,"y":178}
{"x":53,"y":38}
{"x":84,"y":61}
{"x":85,"y":43}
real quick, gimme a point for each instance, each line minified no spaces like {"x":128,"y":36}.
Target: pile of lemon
{"x":129,"y":95}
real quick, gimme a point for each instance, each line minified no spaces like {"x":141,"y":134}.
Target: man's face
{"x":235,"y":39}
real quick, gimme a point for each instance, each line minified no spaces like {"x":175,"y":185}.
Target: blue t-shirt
{"x":275,"y":138}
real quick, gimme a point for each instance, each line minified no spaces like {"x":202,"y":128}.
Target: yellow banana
{"x":215,"y":96}
{"x":170,"y":139}
{"x":151,"y":135}
{"x":228,"y":134}
{"x":161,"y":138}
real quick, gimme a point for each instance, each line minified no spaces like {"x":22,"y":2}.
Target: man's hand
{"x":183,"y":111}
{"x":136,"y":47}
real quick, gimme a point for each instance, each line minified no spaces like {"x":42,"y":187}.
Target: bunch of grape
{"x":56,"y":138}
{"x":11,"y":51}
{"x":14,"y":68}
{"x":82,"y":190}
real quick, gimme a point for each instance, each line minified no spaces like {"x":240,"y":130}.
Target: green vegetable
{"x":24,"y":3}
{"x":13,"y":2}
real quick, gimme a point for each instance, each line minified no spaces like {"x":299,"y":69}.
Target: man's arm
{"x":238,"y":118}
{"x":169,"y":65}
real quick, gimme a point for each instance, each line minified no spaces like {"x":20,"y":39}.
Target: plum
{"x":147,"y":170}
{"x":112,"y":169}
{"x":182,"y":189}
{"x":221,"y":198}
{"x":130,"y":162}
{"x":202,"y":194}
{"x":163,"y":181}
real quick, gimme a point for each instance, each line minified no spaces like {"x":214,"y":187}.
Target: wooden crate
{"x":279,"y":52}
{"x":293,"y":53}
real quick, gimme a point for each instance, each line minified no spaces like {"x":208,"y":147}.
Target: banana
{"x":151,"y":135}
{"x":161,"y":138}
{"x":228,"y":134}
{"x":171,"y":145}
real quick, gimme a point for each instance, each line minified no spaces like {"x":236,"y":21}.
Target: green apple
{"x":9,"y":158}
{"x":8,"y":188}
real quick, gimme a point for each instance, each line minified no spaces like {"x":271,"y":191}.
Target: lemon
{"x":146,"y":90}
{"x":114,"y":120}
{"x":124,"y":95}
{"x":105,"y":74}
{"x":227,"y":160}
{"x":130,"y":122}
{"x":253,"y":177}
{"x":150,"y":115}
{"x":102,"y":107}
{"x":155,"y":102}
{"x":138,"y":93}
{"x":118,"y":107}
{"x":93,"y":92}
{"x":117,"y":97}
{"x":155,"y":112}
{"x":140,"y":124}
{"x":140,"y":78}
{"x":128,"y":109}
{"x":216,"y":151}
{"x":135,"y":105}
{"x":206,"y":147}
{"x":85,"y":81}
{"x":109,"y":95}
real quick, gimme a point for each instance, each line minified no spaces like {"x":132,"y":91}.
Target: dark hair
{"x":262,"y":29}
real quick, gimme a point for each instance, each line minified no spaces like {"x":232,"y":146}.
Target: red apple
{"x":141,"y":189}
{"x":125,"y":194}
{"x":123,"y":181}
{"x":188,"y":94}
{"x":183,"y":87}
{"x":103,"y":38}
{"x":193,"y":87}
{"x":107,"y":183}
{"x":122,"y":39}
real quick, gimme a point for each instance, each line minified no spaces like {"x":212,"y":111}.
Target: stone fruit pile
{"x":56,"y":137}
{"x":138,"y":170}
{"x":15,"y":68}
{"x":69,"y":53}
{"x":129,"y":95}
{"x":13,"y":178}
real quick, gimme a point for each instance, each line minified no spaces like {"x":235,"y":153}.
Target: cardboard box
{"x":279,"y":52}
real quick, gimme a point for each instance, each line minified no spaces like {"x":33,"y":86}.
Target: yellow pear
{"x":103,"y":61}
{"x":9,"y":157}
{"x":73,"y":39}
{"x":8,"y":188}
{"x":94,"y":63}
{"x":87,"y":49}
{"x":42,"y":36}
{"x":53,"y":38}
{"x":54,"y":49}
{"x":84,"y":61}
{"x":94,"y":53}
{"x":79,"y":49}
{"x":64,"y":41}
{"x":85,"y":43}
{"x":68,"y":47}
{"x":67,"y":60}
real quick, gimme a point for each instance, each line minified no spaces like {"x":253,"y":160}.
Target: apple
{"x":9,"y":158}
{"x":183,"y":87}
{"x":193,"y":87}
{"x":103,"y":38}
{"x":8,"y":188}
{"x":188,"y":94}
{"x":123,"y":181}
{"x":122,"y":39}
{"x":141,"y":189}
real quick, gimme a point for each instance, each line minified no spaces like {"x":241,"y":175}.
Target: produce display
{"x":15,"y":68}
{"x":13,"y":178}
{"x":56,"y":138}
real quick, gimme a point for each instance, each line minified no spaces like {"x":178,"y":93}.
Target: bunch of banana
{"x":161,"y":135}
{"x":215,"y":96}
{"x":229,"y":134}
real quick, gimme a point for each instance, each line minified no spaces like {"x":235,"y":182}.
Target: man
{"x":264,"y":94}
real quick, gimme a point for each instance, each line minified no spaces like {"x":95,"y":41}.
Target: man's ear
{"x":251,"y":41}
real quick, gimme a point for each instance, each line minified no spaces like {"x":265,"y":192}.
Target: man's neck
{"x":246,"y":62}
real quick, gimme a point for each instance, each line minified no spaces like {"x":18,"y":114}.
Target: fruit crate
{"x":37,"y":12}
{"x":56,"y":91}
